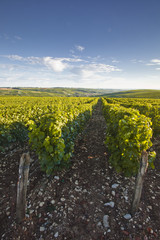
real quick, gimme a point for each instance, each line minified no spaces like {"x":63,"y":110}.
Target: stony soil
{"x":88,"y":201}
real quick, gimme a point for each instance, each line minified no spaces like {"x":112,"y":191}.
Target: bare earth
{"x":73,"y":204}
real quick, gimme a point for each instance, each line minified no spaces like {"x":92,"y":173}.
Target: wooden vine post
{"x":22,"y":186}
{"x":139,"y":182}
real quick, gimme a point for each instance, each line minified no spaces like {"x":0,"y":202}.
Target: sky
{"x":80,"y":43}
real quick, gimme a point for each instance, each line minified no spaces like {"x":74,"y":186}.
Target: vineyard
{"x":85,"y":154}
{"x":51,"y":125}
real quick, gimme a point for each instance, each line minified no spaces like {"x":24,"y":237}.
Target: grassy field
{"x":136,"y":94}
{"x":79,"y":92}
{"x":55,"y":92}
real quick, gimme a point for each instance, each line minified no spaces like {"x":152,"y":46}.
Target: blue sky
{"x":87,"y":43}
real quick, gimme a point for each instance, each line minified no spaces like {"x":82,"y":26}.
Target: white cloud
{"x":153,"y":62}
{"x":71,"y":59}
{"x":150,"y":64}
{"x":57,"y":65}
{"x":30,"y":60}
{"x":86,"y":73}
{"x":15,"y":57}
{"x":60,"y":64}
{"x":156,"y":61}
{"x":33,"y":60}
{"x":80,"y":48}
{"x":38,"y":60}
{"x":68,"y":72}
{"x":94,"y":75}
{"x":93,"y":69}
{"x":103,"y":68}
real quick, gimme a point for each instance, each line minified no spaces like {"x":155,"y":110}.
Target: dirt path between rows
{"x":87,"y":201}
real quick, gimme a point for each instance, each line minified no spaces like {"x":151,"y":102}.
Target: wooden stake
{"x":139,"y":182}
{"x":22,"y":186}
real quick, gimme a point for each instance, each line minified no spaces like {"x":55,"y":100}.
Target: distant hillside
{"x":53,"y":92}
{"x":136,"y":94}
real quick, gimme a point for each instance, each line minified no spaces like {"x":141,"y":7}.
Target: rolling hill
{"x":55,"y":92}
{"x":146,"y":93}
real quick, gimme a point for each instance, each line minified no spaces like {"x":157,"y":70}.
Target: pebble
{"x":54,"y":224}
{"x":56,"y":177}
{"x":41,"y":204}
{"x":105,"y":221}
{"x":63,"y":199}
{"x":42,"y":229}
{"x":85,"y":191}
{"x":31,"y":211}
{"x":111,"y":204}
{"x":126,"y":198}
{"x":76,"y":182}
{"x":113,"y":193}
{"x":99,"y":224}
{"x":78,"y":189}
{"x":56,"y":234}
{"x":148,"y":219}
{"x":53,"y":201}
{"x":127,"y":216}
{"x":115,"y":185}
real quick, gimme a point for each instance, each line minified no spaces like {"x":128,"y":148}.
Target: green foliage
{"x":53,"y":135}
{"x":147,"y":107}
{"x":156,"y":124}
{"x":11,"y":133}
{"x":151,"y":159}
{"x":45,"y":138}
{"x":128,"y":134}
{"x":19,"y":114}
